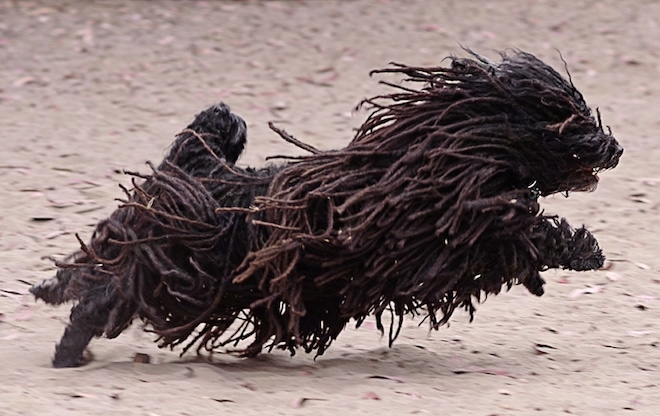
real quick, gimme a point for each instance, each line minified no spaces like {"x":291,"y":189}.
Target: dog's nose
{"x":618,"y":150}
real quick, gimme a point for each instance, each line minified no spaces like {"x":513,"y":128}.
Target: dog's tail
{"x":215,"y":132}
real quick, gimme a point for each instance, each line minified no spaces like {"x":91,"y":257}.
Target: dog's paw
{"x":62,"y":360}
{"x":534,"y":284}
{"x":585,"y":252}
{"x":594,"y":262}
{"x":68,"y":362}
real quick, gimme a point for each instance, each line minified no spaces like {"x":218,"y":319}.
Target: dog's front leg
{"x":561,"y":246}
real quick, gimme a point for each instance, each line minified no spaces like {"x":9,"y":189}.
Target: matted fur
{"x":431,"y":207}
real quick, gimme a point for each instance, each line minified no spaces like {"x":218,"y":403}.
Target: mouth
{"x":594,"y":179}
{"x":582,"y":180}
{"x":588,"y":179}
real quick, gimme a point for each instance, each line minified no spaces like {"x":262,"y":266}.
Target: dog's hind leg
{"x":88,"y":319}
{"x":99,"y":309}
{"x":54,"y":290}
{"x":77,"y":335}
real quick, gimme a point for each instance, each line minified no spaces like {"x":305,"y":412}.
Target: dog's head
{"x":558,"y":142}
{"x":518,"y":113}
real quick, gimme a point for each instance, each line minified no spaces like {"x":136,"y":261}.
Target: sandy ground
{"x":90,"y":88}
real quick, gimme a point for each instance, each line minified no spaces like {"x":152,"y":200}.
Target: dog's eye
{"x":575,"y":156}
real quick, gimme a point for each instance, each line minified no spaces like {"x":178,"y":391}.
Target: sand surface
{"x":88,"y":88}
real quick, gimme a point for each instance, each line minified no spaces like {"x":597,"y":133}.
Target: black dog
{"x":432,"y":205}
